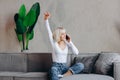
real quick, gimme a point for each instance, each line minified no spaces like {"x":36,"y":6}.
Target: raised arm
{"x":46,"y":15}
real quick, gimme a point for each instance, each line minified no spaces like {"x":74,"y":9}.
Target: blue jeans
{"x":61,"y":68}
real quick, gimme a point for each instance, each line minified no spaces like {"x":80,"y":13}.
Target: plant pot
{"x":25,"y":51}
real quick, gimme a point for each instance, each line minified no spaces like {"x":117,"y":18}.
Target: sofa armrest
{"x":117,"y":70}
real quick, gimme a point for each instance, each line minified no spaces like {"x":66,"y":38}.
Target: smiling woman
{"x":60,"y":44}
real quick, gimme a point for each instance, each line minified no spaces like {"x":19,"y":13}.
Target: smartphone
{"x":67,"y":37}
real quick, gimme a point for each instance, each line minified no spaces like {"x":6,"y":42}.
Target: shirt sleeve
{"x":49,"y":32}
{"x":73,"y":47}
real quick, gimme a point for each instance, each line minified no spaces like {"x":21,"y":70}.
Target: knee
{"x":53,"y":69}
{"x":81,"y":65}
{"x":77,"y":68}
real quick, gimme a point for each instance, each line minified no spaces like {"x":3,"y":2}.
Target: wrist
{"x":45,"y":18}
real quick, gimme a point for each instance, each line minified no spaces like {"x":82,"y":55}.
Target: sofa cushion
{"x":13,"y":62}
{"x":32,"y":76}
{"x":39,"y":62}
{"x":23,"y":76}
{"x":88,"y":62}
{"x":87,"y":77}
{"x":104,"y":64}
{"x":25,"y":62}
{"x":6,"y":78}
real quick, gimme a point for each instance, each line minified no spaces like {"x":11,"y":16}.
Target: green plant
{"x":25,"y":23}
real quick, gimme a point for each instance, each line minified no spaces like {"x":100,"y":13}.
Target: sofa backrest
{"x":13,"y":62}
{"x":39,"y":62}
{"x":25,"y":62}
{"x":83,"y":55}
{"x":31,"y":62}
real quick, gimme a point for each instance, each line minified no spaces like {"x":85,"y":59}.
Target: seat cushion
{"x":23,"y":76}
{"x":87,"y":77}
{"x":32,"y":76}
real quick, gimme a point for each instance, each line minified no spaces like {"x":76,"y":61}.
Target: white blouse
{"x":59,"y":55}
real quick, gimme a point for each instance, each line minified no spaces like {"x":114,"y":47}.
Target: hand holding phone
{"x":67,"y":38}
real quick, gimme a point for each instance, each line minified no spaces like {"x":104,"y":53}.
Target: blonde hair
{"x":57,"y":33}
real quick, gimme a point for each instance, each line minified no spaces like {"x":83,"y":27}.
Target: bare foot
{"x":68,"y":73}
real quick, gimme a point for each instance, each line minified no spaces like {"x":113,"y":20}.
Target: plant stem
{"x":23,"y":41}
{"x":27,"y":41}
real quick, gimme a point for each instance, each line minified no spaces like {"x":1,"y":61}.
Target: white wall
{"x":94,"y":25}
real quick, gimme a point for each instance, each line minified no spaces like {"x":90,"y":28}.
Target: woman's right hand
{"x":68,"y":38}
{"x":46,"y":15}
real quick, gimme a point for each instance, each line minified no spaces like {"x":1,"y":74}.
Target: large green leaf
{"x":20,"y":28}
{"x":29,"y":18}
{"x":22,"y":11}
{"x":36,"y":8}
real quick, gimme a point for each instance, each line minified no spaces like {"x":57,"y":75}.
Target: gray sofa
{"x":35,"y":66}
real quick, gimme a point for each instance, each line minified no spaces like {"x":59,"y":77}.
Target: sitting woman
{"x":60,"y":42}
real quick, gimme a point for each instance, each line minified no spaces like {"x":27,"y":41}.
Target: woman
{"x":60,"y":42}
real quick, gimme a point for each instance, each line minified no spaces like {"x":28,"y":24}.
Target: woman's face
{"x":63,"y":36}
